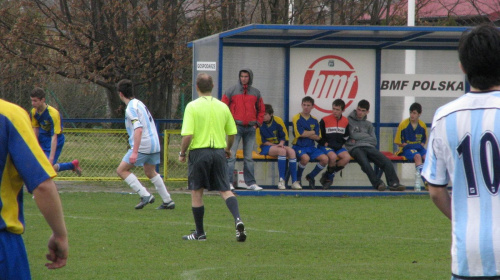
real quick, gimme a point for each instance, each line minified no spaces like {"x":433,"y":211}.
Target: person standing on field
{"x":247,"y":107}
{"x":144,"y":148}
{"x":47,"y":125}
{"x":205,"y":125}
{"x":464,"y":148}
{"x":22,"y":162}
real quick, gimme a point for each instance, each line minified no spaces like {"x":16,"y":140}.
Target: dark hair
{"x":364,"y":104}
{"x":339,"y":102}
{"x":38,"y":93}
{"x":126,"y":88}
{"x":416,"y":107}
{"x":308,"y":99}
{"x":204,"y":82}
{"x":269,"y":109}
{"x":479,"y":54}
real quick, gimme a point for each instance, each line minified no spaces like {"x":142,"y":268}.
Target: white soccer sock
{"x":160,"y":188}
{"x":134,"y":183}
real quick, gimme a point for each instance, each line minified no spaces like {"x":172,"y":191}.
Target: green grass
{"x":288,"y":238}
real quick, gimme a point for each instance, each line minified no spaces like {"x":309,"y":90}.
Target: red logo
{"x":331,"y":77}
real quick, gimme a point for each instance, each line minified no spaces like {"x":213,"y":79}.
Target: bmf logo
{"x":331,"y":77}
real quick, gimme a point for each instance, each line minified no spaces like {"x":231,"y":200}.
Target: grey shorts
{"x":207,"y":168}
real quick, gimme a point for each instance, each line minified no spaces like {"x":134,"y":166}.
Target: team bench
{"x":258,"y":157}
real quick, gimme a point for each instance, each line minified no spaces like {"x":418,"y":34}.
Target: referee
{"x":206,"y":123}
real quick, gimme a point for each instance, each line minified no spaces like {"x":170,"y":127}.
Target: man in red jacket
{"x":247,"y":107}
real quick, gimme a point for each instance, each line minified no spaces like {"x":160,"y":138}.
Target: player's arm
{"x":49,"y":204}
{"x":137,"y":144}
{"x":230,"y":142}
{"x":53,"y":148}
{"x":322,"y":141}
{"x":441,"y":198}
{"x":36,"y":130}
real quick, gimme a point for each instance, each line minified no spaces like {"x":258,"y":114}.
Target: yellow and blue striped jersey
{"x":21,"y":161}
{"x":274,"y":132}
{"x":407,"y":134}
{"x":49,"y":123}
{"x":301,"y":124}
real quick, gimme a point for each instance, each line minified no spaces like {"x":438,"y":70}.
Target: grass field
{"x":288,"y":238}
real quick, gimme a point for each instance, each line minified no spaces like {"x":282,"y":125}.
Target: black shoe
{"x":397,"y":187}
{"x":325,"y":182}
{"x":241,"y":234}
{"x":165,"y":205}
{"x":144,"y":201}
{"x":381,"y":187}
{"x":312,"y":182}
{"x":195,"y":236}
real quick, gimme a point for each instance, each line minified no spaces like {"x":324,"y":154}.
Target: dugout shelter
{"x":390,"y":66}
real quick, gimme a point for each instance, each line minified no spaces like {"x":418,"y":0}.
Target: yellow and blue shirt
{"x":407,"y":134}
{"x":275,"y":131}
{"x":301,"y":124}
{"x":21,"y":162}
{"x":49,"y":123}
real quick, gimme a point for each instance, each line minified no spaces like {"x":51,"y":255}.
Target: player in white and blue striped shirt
{"x":144,"y":149}
{"x":464,"y":148}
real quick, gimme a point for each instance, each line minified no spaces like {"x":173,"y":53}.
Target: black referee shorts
{"x":207,"y":168}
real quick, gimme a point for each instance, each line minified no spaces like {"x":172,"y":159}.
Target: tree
{"x":102,"y":42}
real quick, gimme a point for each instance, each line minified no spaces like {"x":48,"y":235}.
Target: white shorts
{"x":152,"y":159}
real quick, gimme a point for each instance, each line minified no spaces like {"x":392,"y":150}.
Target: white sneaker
{"x":231,"y":187}
{"x":281,"y":184}
{"x":254,"y":187}
{"x":296,"y":185}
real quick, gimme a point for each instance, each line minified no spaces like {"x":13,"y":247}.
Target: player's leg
{"x":323,"y":162}
{"x":327,"y":177}
{"x":303,"y":160}
{"x":292,"y":166}
{"x":123,"y":172}
{"x":155,"y":178}
{"x":73,"y":165}
{"x":360,"y":154}
{"x":381,"y":161}
{"x":198,"y":209}
{"x":279,"y":152}
{"x":199,"y":165}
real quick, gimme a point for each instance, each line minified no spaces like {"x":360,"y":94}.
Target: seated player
{"x":271,"y":137}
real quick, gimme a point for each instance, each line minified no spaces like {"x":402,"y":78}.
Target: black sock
{"x":232,"y":205}
{"x":198,"y":213}
{"x":338,"y":168}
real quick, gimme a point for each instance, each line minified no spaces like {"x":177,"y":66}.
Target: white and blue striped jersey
{"x":464,"y":147}
{"x":137,"y":115}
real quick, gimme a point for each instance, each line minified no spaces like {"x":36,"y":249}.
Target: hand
{"x":58,"y":252}
{"x":133,"y":158}
{"x":280,"y":145}
{"x":228,"y":153}
{"x":51,"y":160}
{"x":182,"y":158}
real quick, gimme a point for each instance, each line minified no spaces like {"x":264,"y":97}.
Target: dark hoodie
{"x":361,"y":131}
{"x":247,"y":108}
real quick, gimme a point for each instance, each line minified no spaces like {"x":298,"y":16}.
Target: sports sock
{"x":300,"y":170}
{"x":282,"y":166}
{"x":66,"y":166}
{"x":232,"y":205}
{"x":160,"y":188}
{"x":292,"y":165}
{"x":134,"y":183}
{"x":317,"y":169}
{"x":419,"y":168}
{"x":198,"y":213}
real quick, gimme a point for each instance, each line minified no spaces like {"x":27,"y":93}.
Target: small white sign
{"x":206,"y":66}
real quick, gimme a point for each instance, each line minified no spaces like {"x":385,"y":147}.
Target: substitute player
{"x":271,"y":137}
{"x":144,"y":148}
{"x":47,"y":124}
{"x":464,"y":148}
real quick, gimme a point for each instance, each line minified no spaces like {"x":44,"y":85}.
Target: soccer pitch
{"x":288,"y":238}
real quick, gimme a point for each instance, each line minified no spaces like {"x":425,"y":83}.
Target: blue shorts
{"x":152,"y":159}
{"x":59,"y":148}
{"x":326,"y":150}
{"x":409,"y":154}
{"x":13,"y":257}
{"x":312,"y":152}
{"x":264,"y":150}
